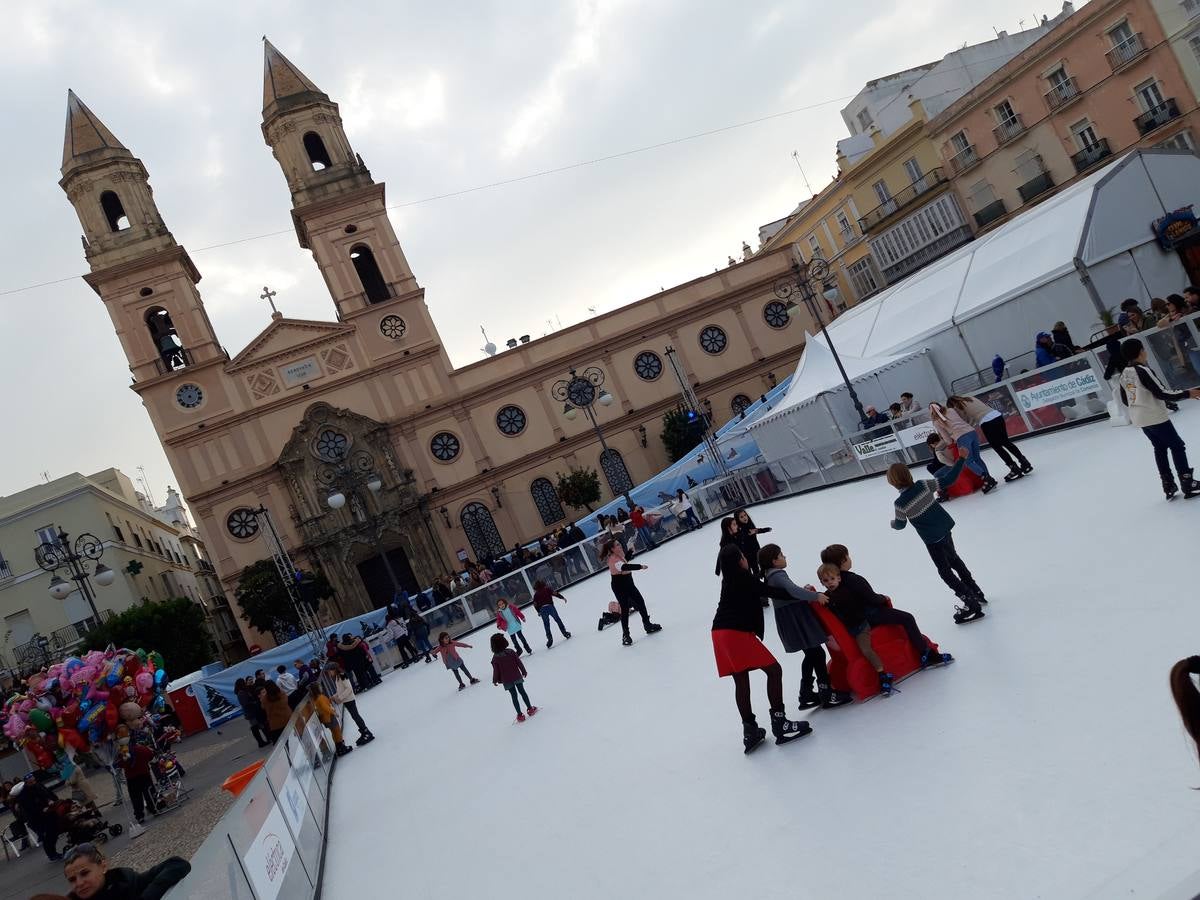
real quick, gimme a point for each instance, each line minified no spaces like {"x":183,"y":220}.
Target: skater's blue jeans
{"x":688,"y":518}
{"x":1166,"y":439}
{"x":647,"y":536}
{"x":547,"y":613}
{"x":970,"y":445}
{"x":423,"y":645}
{"x":513,"y":689}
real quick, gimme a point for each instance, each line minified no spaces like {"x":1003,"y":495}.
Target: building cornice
{"x":140,"y":264}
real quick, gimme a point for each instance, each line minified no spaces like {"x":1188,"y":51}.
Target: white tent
{"x":1081,"y":251}
{"x":816,"y":410}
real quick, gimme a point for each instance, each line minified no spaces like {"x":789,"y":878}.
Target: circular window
{"x":392,"y":327}
{"x":332,"y":445}
{"x":444,"y":446}
{"x":242,"y":523}
{"x":511,"y":420}
{"x":647,"y":365}
{"x":189,"y":396}
{"x":776,"y":314}
{"x":740,"y":403}
{"x":713,"y":339}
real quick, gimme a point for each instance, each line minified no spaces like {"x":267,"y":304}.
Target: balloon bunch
{"x":80,"y":701}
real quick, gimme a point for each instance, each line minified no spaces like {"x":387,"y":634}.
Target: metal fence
{"x":271,"y":842}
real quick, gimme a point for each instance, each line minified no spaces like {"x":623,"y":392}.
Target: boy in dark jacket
{"x":918,"y":503}
{"x":90,"y":877}
{"x":508,"y":670}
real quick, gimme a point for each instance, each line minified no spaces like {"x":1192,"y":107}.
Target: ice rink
{"x":1047,"y":762}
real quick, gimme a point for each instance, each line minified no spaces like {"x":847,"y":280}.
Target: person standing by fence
{"x":990,"y":421}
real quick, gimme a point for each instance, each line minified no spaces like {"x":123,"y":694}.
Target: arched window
{"x":615,"y":472}
{"x":740,"y":403}
{"x":317,"y":154}
{"x":481,"y":531}
{"x":545,"y":498}
{"x":114,"y":212}
{"x":373,"y":284}
{"x":170,"y":349}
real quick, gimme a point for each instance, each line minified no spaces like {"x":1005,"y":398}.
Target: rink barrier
{"x":271,"y":843}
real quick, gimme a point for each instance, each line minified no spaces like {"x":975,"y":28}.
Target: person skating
{"x":543,"y":605}
{"x":729,"y":535}
{"x":344,"y":694}
{"x":397,"y":629}
{"x":747,"y":539}
{"x":955,"y":430}
{"x":918,"y":504}
{"x":418,"y":630}
{"x":447,"y":649}
{"x":327,"y":717}
{"x":1147,"y":399}
{"x":612,"y":554}
{"x":737,"y":630}
{"x":978,"y":414}
{"x":684,"y":513}
{"x":800,"y":630}
{"x":850,"y":608}
{"x":508,"y":620}
{"x":856,"y":591}
{"x":509,"y":672}
{"x":87,"y":872}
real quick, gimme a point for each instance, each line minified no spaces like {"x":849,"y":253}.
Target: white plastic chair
{"x":10,"y":841}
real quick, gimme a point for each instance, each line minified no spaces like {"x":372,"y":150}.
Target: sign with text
{"x":916,"y":435}
{"x":877,"y":446}
{"x":268,"y":857}
{"x":1066,"y":388}
{"x":297,"y":373}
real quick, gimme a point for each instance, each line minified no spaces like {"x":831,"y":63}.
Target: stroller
{"x":610,"y":616}
{"x":82,"y":824}
{"x":168,"y":790}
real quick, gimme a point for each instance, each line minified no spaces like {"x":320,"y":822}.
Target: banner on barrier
{"x":1066,"y":388}
{"x":267,"y":859}
{"x":892,"y":442}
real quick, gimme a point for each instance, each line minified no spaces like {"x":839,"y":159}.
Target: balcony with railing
{"x":1157,"y":116}
{"x":1062,"y":94}
{"x":5,"y":571}
{"x":1126,"y":52}
{"x":1008,"y":130}
{"x":990,"y":213}
{"x":1091,"y":155}
{"x":964,"y":159}
{"x":902,"y":199}
{"x":1035,"y":186}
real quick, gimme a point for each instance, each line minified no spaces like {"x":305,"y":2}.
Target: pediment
{"x":285,"y":337}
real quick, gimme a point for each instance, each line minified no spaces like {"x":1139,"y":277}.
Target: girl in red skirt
{"x":736,"y":635}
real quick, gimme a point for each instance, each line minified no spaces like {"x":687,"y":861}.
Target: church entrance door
{"x":374,"y":575}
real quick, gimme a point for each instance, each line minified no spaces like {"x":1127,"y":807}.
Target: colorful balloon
{"x":40,"y":719}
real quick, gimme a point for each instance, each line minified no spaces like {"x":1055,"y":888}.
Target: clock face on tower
{"x":189,"y":396}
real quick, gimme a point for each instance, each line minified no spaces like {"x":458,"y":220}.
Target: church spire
{"x":86,"y":138}
{"x":284,"y":85}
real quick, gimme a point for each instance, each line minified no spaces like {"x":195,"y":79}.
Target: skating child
{"x":918,"y":504}
{"x":800,"y":630}
{"x":543,"y":605}
{"x":508,"y":620}
{"x":344,"y":694}
{"x":397,"y":629}
{"x":875,"y":606}
{"x":737,"y":630}
{"x":448,"y":651}
{"x":1147,"y":400}
{"x":747,"y":539}
{"x":324,"y":709}
{"x":612,"y":554}
{"x":509,"y":671}
{"x":729,"y":535}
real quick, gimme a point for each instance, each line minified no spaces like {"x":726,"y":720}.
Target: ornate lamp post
{"x":584,"y":391}
{"x":344,"y":477}
{"x":807,"y":279}
{"x":71,"y":558}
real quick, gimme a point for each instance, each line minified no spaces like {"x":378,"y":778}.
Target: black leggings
{"x":513,"y":689}
{"x":996,"y":433}
{"x":741,"y":691}
{"x":951,"y":567}
{"x":630,"y":599}
{"x":351,"y":707}
{"x":459,"y":677}
{"x":814,"y":664}
{"x":886,"y":616}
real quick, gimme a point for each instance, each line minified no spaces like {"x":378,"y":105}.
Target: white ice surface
{"x":1047,"y":762}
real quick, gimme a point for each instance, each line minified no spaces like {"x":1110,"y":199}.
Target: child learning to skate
{"x":918,"y":504}
{"x":876,"y":608}
{"x":344,"y":694}
{"x":508,"y":620}
{"x":737,"y":630}
{"x":327,"y":717}
{"x":850,"y":608}
{"x":448,"y":651}
{"x":509,"y":671}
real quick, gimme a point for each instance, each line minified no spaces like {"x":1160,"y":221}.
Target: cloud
{"x":413,"y":105}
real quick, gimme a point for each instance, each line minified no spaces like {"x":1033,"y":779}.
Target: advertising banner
{"x":267,"y":859}
{"x":1068,"y":387}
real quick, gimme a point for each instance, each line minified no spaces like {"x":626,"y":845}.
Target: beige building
{"x":464,"y":460}
{"x":150,"y":560}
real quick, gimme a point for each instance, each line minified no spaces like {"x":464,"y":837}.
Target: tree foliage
{"x":579,"y":488}
{"x":265,"y":602}
{"x":680,"y":434}
{"x":175,"y":628}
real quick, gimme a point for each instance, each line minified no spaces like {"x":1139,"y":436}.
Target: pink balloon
{"x":144,"y":681}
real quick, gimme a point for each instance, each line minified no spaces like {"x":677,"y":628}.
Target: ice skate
{"x":626,"y":640}
{"x":549,"y":642}
{"x":342,"y":750}
{"x":474,"y":681}
{"x":932,"y":658}
{"x":367,"y":737}
{"x":989,"y":484}
{"x":886,"y":684}
{"x":566,"y":635}
{"x":653,"y":628}
{"x":1170,"y":488}
{"x":462,"y":687}
{"x":968,"y":613}
{"x":785,"y":730}
{"x":836,"y":699}
{"x":752,"y":736}
{"x":520,"y":717}
{"x":600,"y":624}
{"x":1026,"y":467}
{"x":1188,"y":485}
{"x":975,"y":593}
{"x":532,"y":711}
{"x":808,"y":699}
{"x":1014,"y":472}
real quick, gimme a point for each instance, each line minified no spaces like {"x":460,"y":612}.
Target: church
{"x":378,"y":461}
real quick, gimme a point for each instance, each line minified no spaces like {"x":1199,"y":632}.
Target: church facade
{"x":431,"y":463}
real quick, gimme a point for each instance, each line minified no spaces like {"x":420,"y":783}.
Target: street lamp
{"x":807,"y":279}
{"x":584,"y":391}
{"x":71,"y":558}
{"x":345,"y":475}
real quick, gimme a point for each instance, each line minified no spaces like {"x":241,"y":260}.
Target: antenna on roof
{"x":796,"y":157}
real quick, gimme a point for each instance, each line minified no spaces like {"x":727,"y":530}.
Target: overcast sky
{"x":436,"y":98}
